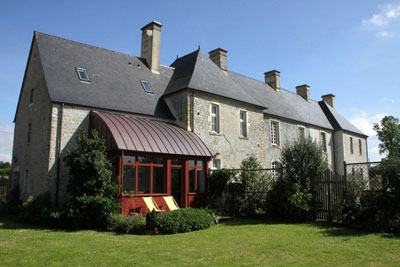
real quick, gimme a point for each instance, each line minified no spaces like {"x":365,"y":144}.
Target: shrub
{"x":256,"y":185}
{"x":127,"y":224}
{"x":37,"y":209}
{"x":136,"y":224}
{"x":218,"y":183}
{"x":292,"y":196}
{"x":92,"y":191}
{"x":180,"y":221}
{"x":14,"y":204}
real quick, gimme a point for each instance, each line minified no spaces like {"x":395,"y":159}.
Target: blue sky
{"x":348,"y":48}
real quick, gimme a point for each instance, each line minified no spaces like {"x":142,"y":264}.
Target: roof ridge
{"x":251,"y":78}
{"x":93,"y":46}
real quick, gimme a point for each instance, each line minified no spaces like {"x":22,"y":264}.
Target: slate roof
{"x":114,"y":83}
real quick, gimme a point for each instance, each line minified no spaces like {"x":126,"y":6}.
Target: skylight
{"x":147,"y":88}
{"x":82,"y":74}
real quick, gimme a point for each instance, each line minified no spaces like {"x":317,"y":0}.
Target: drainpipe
{"x":60,"y":124}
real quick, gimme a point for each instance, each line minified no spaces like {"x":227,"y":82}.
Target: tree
{"x":92,"y":191}
{"x":256,"y":185}
{"x":389,"y":134}
{"x":5,"y":168}
{"x":303,"y":162}
{"x":292,"y":195}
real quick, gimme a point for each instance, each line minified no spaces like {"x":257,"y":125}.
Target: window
{"x":275,"y":133}
{"x":82,"y":74}
{"x":243,"y":123}
{"x":360,"y":146}
{"x":323,"y":141}
{"x":143,"y":175}
{"x":29,"y":132}
{"x":276,"y":169}
{"x":26,"y":182}
{"x":197,"y":179}
{"x":216,"y":164}
{"x":31,"y":96}
{"x":351,"y":145}
{"x":147,"y":88}
{"x":214,"y":118}
{"x":300,"y":133}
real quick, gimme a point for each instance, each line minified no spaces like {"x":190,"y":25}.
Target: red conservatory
{"x":153,"y":158}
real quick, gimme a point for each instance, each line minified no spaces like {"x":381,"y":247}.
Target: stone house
{"x":164,"y":126}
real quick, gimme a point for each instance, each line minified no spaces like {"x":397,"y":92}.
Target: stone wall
{"x":288,"y":132}
{"x":32,"y":156}
{"x":73,"y":118}
{"x":232,"y":148}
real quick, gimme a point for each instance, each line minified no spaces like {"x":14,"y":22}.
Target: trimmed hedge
{"x":180,"y":221}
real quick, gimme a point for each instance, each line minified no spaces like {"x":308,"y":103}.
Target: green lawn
{"x":237,"y":242}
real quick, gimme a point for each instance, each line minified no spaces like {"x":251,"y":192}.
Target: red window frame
{"x":196,"y":180}
{"x":151,"y":165}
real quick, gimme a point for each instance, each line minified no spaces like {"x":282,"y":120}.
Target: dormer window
{"x":147,"y":88}
{"x":82,"y":74}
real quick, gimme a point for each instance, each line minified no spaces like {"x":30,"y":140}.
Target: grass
{"x":237,"y":242}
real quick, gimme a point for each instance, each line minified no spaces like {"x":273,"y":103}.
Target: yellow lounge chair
{"x":151,"y":204}
{"x":171,"y":203}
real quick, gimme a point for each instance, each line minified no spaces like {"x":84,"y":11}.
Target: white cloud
{"x":365,"y":123}
{"x":386,"y":14}
{"x":387,"y":100}
{"x":386,"y":34}
{"x":6,"y":141}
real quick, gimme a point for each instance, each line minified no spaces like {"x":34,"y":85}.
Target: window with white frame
{"x":216,"y":164}
{"x":243,"y":123}
{"x":276,"y":169}
{"x":275,"y":133}
{"x":215,"y":118}
{"x":360,"y":146}
{"x":300,"y":133}
{"x":323,"y":141}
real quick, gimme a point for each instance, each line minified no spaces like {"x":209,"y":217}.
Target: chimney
{"x":329,"y":99}
{"x":151,"y":37}
{"x":303,"y":91}
{"x":272,"y":78}
{"x":218,"y":56}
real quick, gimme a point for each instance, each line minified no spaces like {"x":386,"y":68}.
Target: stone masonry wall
{"x":288,"y":132}
{"x":231,"y":147}
{"x":32,"y":156}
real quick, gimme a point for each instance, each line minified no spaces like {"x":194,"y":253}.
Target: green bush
{"x":89,"y":212}
{"x":14,"y":204}
{"x":218,"y":184}
{"x":136,"y":224}
{"x":256,"y":186}
{"x":292,"y":196}
{"x":180,"y":221}
{"x":92,"y":191}
{"x":37,"y":209}
{"x":127,"y":224}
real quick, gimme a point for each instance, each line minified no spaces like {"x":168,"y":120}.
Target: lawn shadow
{"x":327,"y":228}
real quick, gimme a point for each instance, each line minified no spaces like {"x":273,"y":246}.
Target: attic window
{"x":147,"y":88}
{"x":82,"y":74}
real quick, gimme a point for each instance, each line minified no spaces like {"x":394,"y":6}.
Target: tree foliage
{"x":303,"y":162}
{"x":5,"y":168}
{"x":389,"y":134}
{"x":92,"y":191}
